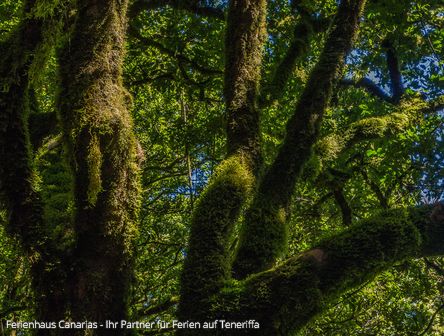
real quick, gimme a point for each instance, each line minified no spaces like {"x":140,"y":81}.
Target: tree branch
{"x":245,"y":22}
{"x":149,"y":42}
{"x":207,"y":264}
{"x":394,"y":72}
{"x":434,"y":266}
{"x":299,"y":45}
{"x":396,"y":85}
{"x":383,"y":201}
{"x":369,"y":86}
{"x":333,"y":145}
{"x":264,"y":235}
{"x":286,"y":298}
{"x":341,"y":201}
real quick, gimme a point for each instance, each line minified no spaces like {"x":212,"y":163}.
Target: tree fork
{"x":264,"y":236}
{"x":208,"y":263}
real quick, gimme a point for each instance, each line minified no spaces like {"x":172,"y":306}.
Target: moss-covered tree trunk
{"x":101,"y":146}
{"x":19,"y":194}
{"x":208,"y":264}
{"x":88,"y":281}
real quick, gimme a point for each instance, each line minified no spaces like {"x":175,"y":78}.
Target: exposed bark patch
{"x":317,"y":254}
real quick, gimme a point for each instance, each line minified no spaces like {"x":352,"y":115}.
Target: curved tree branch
{"x":299,"y":45}
{"x":286,"y":298}
{"x":331,"y":146}
{"x":369,"y":86}
{"x":207,"y":264}
{"x":396,"y":84}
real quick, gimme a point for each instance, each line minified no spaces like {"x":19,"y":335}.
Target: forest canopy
{"x":246,"y":160}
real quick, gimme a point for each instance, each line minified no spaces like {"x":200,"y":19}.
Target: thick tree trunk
{"x":101,"y":151}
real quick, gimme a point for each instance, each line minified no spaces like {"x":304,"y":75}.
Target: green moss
{"x":94,"y":162}
{"x":299,"y":45}
{"x":360,"y":253}
{"x":405,"y":116}
{"x":285,"y":298}
{"x":20,"y":192}
{"x":56,"y":190}
{"x":263,"y":239}
{"x":245,"y":22}
{"x":207,"y":265}
{"x":101,"y":151}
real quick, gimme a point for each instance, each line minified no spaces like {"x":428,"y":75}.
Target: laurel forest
{"x":257,"y":168}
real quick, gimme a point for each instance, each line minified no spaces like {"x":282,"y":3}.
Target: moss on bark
{"x":274,"y":89}
{"x":244,"y":41}
{"x":266,"y":219}
{"x":284,"y":299}
{"x":101,"y":147}
{"x":406,"y":115}
{"x":208,"y":262}
{"x":18,"y":190}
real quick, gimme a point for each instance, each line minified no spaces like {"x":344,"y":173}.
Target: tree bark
{"x":264,"y":235}
{"x":244,"y":41}
{"x":284,"y":299}
{"x":208,"y":262}
{"x":102,"y":155}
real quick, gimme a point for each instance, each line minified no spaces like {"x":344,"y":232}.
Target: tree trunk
{"x":101,"y":152}
{"x":18,"y":192}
